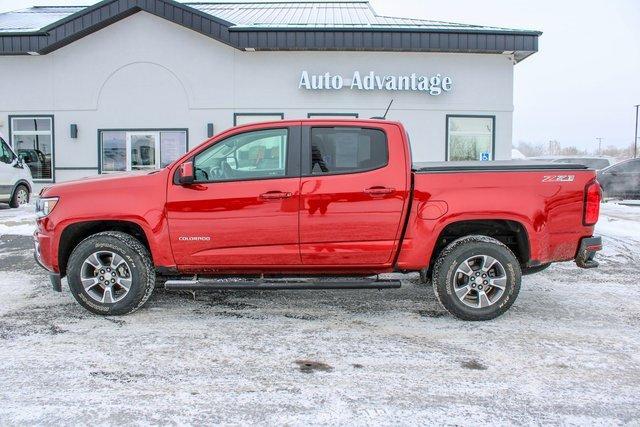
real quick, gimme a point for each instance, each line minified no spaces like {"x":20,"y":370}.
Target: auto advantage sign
{"x":433,"y":85}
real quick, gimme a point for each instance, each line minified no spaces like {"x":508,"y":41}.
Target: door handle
{"x":274,"y":195}
{"x":379,"y":191}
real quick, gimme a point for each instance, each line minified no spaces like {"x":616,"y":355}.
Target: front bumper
{"x":54,"y":277}
{"x":587,"y":251}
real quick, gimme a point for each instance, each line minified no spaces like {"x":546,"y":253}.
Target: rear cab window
{"x":343,"y":150}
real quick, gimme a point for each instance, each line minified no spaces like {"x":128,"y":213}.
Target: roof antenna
{"x":385,"y":112}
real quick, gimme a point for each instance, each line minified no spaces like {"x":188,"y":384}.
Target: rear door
{"x":352,"y":194}
{"x":242,"y":210}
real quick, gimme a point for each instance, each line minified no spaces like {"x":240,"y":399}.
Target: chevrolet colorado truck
{"x":278,"y":205}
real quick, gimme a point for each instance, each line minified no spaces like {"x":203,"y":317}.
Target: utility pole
{"x":635,"y":139}
{"x":599,"y":146}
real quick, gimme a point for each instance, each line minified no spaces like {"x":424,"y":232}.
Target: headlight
{"x":45,"y":206}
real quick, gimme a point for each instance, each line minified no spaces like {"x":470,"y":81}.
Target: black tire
{"x":138,"y":260}
{"x":445,"y":278}
{"x":20,"y":189}
{"x":533,"y":270}
{"x":424,"y":276}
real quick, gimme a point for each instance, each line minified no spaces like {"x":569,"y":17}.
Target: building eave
{"x":94,"y":18}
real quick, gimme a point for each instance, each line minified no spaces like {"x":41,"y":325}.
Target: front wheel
{"x":20,"y":196}
{"x":476,"y":278}
{"x":111,"y":273}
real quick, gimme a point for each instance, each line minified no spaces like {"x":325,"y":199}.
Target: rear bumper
{"x":587,"y":251}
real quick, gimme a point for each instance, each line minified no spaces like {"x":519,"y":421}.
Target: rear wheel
{"x":111,"y":273}
{"x":20,"y":196}
{"x":476,"y":278}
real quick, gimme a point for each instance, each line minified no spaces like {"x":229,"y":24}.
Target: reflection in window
{"x":114,"y":151}
{"x":249,"y":155}
{"x":173,"y":144}
{"x":345,"y":150}
{"x":124,"y":150}
{"x":470,"y":138}
{"x":32,"y":139}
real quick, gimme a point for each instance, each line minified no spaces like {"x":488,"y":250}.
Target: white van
{"x":15,"y":177}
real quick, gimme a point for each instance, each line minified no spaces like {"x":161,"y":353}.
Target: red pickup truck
{"x":277,"y":205}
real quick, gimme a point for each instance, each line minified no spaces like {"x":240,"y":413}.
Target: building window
{"x":32,"y":140}
{"x":470,"y":137}
{"x":347,"y":150}
{"x":332,"y":115}
{"x":246,"y":118}
{"x":130,"y":150}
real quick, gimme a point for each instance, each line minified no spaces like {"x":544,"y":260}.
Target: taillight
{"x":592,"y":196}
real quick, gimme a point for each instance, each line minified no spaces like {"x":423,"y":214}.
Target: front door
{"x":353,"y":192}
{"x":242,"y":209}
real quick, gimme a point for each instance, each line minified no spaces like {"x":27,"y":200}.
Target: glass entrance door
{"x":143,"y":149}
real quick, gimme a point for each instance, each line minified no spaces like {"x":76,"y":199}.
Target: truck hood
{"x":116,"y":181}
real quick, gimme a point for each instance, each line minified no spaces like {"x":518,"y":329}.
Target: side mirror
{"x":17,"y":163}
{"x":185,"y":173}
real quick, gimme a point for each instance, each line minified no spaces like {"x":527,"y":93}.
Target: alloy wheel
{"x":106,"y":277}
{"x":480,"y":281}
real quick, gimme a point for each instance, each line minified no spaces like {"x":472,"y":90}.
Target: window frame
{"x":471,"y":116}
{"x":158,"y":130}
{"x":292,"y":160}
{"x":305,"y":154}
{"x":52,"y":133}
{"x":236,"y":115}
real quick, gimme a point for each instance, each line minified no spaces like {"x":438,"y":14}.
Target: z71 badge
{"x":558,"y":178}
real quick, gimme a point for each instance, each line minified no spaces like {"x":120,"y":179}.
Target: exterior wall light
{"x":73,"y":131}
{"x":209,"y":130}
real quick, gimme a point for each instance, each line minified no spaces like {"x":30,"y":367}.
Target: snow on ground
{"x":566,"y":353}
{"x":20,"y":221}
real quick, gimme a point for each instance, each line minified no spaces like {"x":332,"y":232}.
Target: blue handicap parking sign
{"x":484,"y":156}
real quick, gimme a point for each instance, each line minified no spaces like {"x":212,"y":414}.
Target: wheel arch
{"x":76,"y":232}
{"x":510,"y":232}
{"x":19,"y":182}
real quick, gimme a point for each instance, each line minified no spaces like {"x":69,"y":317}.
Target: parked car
{"x":592,"y":162}
{"x":621,"y":180}
{"x":15,"y":178}
{"x":596,"y":163}
{"x":335,"y":198}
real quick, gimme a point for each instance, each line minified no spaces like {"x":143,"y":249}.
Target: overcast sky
{"x":582,"y":83}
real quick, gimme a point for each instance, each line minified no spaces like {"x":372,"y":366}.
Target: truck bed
{"x":498,"y":165}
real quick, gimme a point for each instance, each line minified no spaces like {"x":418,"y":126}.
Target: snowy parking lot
{"x":568,"y":351}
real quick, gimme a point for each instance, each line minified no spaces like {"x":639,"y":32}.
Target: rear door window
{"x":339,"y":150}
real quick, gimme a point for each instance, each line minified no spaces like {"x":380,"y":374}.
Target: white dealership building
{"x":131,"y":84}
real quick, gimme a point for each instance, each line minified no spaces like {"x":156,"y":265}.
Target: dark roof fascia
{"x":392,"y":29}
{"x":140,"y":4}
{"x":107,"y":12}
